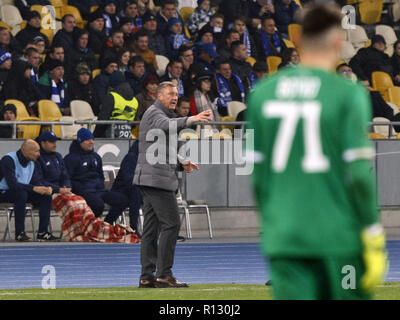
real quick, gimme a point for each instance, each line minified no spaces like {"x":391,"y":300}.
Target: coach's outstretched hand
{"x":375,"y":257}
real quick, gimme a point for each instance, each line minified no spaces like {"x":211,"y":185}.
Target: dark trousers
{"x":97,"y":200}
{"x":135,"y":201}
{"x":20,"y":199}
{"x":160,"y":231}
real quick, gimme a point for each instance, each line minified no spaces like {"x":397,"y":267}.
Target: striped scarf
{"x":225,"y":94}
{"x":57,"y":95}
{"x":246,"y":41}
{"x":34,"y":75}
{"x":267,"y":47}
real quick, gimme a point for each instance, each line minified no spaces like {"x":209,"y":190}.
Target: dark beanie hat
{"x":10,"y":107}
{"x":95,"y":15}
{"x":32,"y":14}
{"x":84,"y":134}
{"x":54,"y":63}
{"x":116,"y":78}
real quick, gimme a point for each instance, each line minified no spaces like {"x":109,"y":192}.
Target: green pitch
{"x":387,"y":291}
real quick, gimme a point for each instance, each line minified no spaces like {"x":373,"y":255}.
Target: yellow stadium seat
{"x":93,"y":8}
{"x":27,"y":131}
{"x":49,"y":34}
{"x":49,"y":111}
{"x":394,"y":95}
{"x":95,"y":73}
{"x":58,"y":4}
{"x":273,"y":62}
{"x":381,"y":81}
{"x":374,"y":135}
{"x":288,"y":43}
{"x":251,"y":61}
{"x":294,"y":31}
{"x":75,"y":12}
{"x":5,"y":25}
{"x":370,"y":11}
{"x":186,"y":12}
{"x":298,"y":3}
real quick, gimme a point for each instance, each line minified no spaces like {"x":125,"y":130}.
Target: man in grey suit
{"x":156,"y":175}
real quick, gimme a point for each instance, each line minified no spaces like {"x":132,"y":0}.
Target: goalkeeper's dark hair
{"x":320,"y":18}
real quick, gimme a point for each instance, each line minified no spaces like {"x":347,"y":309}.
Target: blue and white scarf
{"x":57,"y":95}
{"x":178,"y":40}
{"x":107,"y":23}
{"x":225,"y":94}
{"x":252,"y":80}
{"x":246,"y":41}
{"x":267,"y":47}
{"x":34,"y":75}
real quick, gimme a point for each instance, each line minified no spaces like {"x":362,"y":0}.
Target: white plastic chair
{"x":358,"y":37}
{"x":162,"y":63}
{"x":10,"y":15}
{"x":69,"y":132}
{"x":383,"y":129}
{"x":82,"y":111}
{"x":390,"y":37}
{"x":234,"y":107}
{"x":347,"y":52}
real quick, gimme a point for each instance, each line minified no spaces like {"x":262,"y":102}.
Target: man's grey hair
{"x":164,"y":85}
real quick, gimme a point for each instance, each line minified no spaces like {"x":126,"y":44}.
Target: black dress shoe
{"x":147,"y":283}
{"x":170,"y":282}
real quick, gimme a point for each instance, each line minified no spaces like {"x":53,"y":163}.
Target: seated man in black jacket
{"x":8,"y":113}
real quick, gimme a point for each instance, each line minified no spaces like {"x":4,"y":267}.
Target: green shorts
{"x":317,"y":279}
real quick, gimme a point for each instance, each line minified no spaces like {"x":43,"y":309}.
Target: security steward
{"x":119,"y":104}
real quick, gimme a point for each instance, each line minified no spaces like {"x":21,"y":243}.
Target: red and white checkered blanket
{"x":80,"y":224}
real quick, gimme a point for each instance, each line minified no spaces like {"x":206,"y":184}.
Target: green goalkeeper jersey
{"x":310,"y":136}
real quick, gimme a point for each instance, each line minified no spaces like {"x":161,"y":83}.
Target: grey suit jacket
{"x":158,"y":158}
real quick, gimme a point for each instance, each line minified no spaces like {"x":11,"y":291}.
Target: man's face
{"x":176,"y":70}
{"x":168,"y":10}
{"x":57,"y":73}
{"x":241,"y":52}
{"x":35,"y":22}
{"x":143,"y":43}
{"x":5,"y":37}
{"x":151,"y":25}
{"x":33,"y":152}
{"x":34,"y":59}
{"x":49,"y":146}
{"x":58,"y":54}
{"x":188,"y":57}
{"x":87,"y":145}
{"x":9,"y":115}
{"x":169,"y":97}
{"x":118,"y":39}
{"x":126,"y":28}
{"x":380,"y":46}
{"x":98,"y":24}
{"x":69,"y":24}
{"x":239,"y":26}
{"x":111,"y":68}
{"x":205,"y":5}
{"x":183,"y":109}
{"x":225,"y":70}
{"x":110,"y":8}
{"x":269,"y":26}
{"x":207,"y":37}
{"x":177,"y":28}
{"x":233,"y":37}
{"x":40,"y":46}
{"x":217,"y":22}
{"x":131,"y":10}
{"x":84,"y":78}
{"x":83,"y":41}
{"x":139,"y":69}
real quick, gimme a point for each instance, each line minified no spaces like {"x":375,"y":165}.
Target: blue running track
{"x":118,"y":265}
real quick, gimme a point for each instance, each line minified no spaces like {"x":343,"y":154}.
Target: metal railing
{"x":37,"y":123}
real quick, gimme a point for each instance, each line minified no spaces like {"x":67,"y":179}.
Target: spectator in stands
{"x":145,"y":6}
{"x":56,"y":53}
{"x":224,"y":50}
{"x":175,"y":39}
{"x":97,"y":32}
{"x":123,"y":60}
{"x":24,"y":6}
{"x":40,"y":44}
{"x":8,"y":113}
{"x":202,"y":98}
{"x":183,"y":107}
{"x":227,"y":86}
{"x":201,"y":15}
{"x":240,"y":66}
{"x":53,"y":87}
{"x":124,"y":184}
{"x":102,"y":81}
{"x":239,"y":24}
{"x":119,"y":104}
{"x":286,"y":12}
{"x":167,"y":11}
{"x":148,"y":95}
{"x":174,"y":72}
{"x":156,"y":40}
{"x":79,"y":53}
{"x":5,"y":66}
{"x":111,"y":19}
{"x":260,"y":69}
{"x":373,"y":58}
{"x":20,"y":184}
{"x":232,"y":9}
{"x":136,"y":73}
{"x":125,"y":25}
{"x":8,"y":42}
{"x":32,"y":30}
{"x":258,"y":9}
{"x":84,"y":6}
{"x":290,"y":57}
{"x":206,"y":57}
{"x":186,"y":56}
{"x":81,"y":87}
{"x":19,"y":86}
{"x":396,"y":63}
{"x":113,"y":46}
{"x":85,"y":169}
{"x":64,"y":37}
{"x":51,"y":167}
{"x":141,"y":46}
{"x":130,"y":10}
{"x":32,"y":56}
{"x":205,"y":35}
{"x":268,"y":41}
{"x":217,"y":25}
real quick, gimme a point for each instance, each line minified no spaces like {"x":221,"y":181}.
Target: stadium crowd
{"x":215,"y":54}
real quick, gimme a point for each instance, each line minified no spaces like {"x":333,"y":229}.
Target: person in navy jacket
{"x":124,"y":183}
{"x":85,"y":169}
